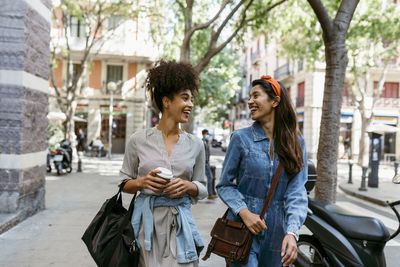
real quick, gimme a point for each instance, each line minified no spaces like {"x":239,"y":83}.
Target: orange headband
{"x":274,"y":84}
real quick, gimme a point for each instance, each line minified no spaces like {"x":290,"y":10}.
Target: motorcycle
{"x":339,"y":238}
{"x":63,"y":158}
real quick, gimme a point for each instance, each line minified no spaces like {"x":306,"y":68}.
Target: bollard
{"x":350,"y":172}
{"x":213,"y":168}
{"x":79,"y":164}
{"x":396,"y":166}
{"x":363,"y":177}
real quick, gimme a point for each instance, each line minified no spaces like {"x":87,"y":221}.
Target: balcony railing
{"x":282,"y":71}
{"x":347,"y":101}
{"x":389,"y":103}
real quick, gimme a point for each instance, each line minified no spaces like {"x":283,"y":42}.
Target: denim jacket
{"x":246,"y":177}
{"x":188,"y":240}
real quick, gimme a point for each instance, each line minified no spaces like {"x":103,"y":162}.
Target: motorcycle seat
{"x":350,"y":225}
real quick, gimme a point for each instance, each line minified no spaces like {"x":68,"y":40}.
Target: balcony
{"x":388,"y":103}
{"x":283,"y":71}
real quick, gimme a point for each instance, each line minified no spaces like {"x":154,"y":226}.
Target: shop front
{"x":118,"y":127}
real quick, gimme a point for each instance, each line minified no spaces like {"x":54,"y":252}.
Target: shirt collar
{"x":258,"y":132}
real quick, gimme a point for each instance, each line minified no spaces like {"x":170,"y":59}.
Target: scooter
{"x":339,"y":238}
{"x":63,"y":157}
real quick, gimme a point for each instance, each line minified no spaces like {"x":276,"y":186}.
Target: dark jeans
{"x":209,"y":179}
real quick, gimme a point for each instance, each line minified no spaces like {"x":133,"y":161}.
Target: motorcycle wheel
{"x":310,"y":252}
{"x":59,"y":169}
{"x":69,"y":169}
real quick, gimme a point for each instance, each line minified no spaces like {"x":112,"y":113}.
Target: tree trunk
{"x":334,"y":36}
{"x":336,"y":62}
{"x":363,"y":156}
{"x":69,"y":121}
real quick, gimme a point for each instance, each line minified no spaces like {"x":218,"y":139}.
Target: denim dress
{"x":246,"y":177}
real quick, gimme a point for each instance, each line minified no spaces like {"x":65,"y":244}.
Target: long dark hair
{"x":286,"y":131}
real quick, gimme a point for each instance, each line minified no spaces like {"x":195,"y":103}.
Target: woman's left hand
{"x":289,"y":246}
{"x":179,"y":187}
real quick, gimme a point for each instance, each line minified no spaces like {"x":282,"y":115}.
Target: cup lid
{"x":165,"y":173}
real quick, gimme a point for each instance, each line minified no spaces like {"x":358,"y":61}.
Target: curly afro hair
{"x":168,"y":78}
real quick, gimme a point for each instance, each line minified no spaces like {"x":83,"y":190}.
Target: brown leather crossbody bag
{"x":232,"y":240}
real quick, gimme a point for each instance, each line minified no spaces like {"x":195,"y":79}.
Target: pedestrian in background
{"x":98,"y":146}
{"x":162,"y":220}
{"x":81,"y":140}
{"x":210,"y":189}
{"x":252,"y":158}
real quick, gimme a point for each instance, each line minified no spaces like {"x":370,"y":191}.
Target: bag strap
{"x":119,"y":199}
{"x":271,"y":190}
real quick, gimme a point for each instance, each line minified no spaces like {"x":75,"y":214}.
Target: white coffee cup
{"x":165,"y":174}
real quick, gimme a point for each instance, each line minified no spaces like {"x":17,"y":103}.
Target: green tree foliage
{"x":198,"y":31}
{"x":373,"y":41}
{"x":91,"y":16}
{"x":219,"y":82}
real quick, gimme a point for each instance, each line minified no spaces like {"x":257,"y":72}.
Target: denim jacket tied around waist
{"x":246,"y":177}
{"x":188,"y":240}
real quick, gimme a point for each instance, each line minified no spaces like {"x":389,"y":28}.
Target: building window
{"x":300,"y":65}
{"x":346,"y":99}
{"x":114,"y":22}
{"x":300,"y":95}
{"x":114,"y":73}
{"x":75,"y":70}
{"x":118,"y":126}
{"x":77,"y":27}
{"x":391,"y":89}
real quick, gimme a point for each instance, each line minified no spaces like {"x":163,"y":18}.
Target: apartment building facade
{"x":123,"y":59}
{"x":306,"y":88}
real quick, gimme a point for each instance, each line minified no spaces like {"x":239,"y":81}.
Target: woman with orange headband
{"x":251,"y":161}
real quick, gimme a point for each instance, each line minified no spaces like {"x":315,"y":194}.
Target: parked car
{"x":217,"y":140}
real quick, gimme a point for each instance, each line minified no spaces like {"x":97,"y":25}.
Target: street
{"x":52,"y":236}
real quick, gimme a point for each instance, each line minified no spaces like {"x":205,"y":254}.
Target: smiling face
{"x":260,"y":104}
{"x":180,"y":107}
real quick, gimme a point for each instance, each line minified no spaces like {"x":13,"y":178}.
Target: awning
{"x":381,"y":128}
{"x":60,"y":116}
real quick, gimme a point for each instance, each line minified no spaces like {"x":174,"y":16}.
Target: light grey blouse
{"x":145,"y":151}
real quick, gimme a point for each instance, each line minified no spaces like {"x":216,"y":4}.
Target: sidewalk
{"x":386,"y":189}
{"x":52,"y":237}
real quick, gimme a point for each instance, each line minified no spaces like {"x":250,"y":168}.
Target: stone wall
{"x":24,"y":72}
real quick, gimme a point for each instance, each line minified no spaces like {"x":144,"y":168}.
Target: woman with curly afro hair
{"x":166,"y":164}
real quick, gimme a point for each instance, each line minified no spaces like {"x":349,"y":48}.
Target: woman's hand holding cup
{"x":153,"y":182}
